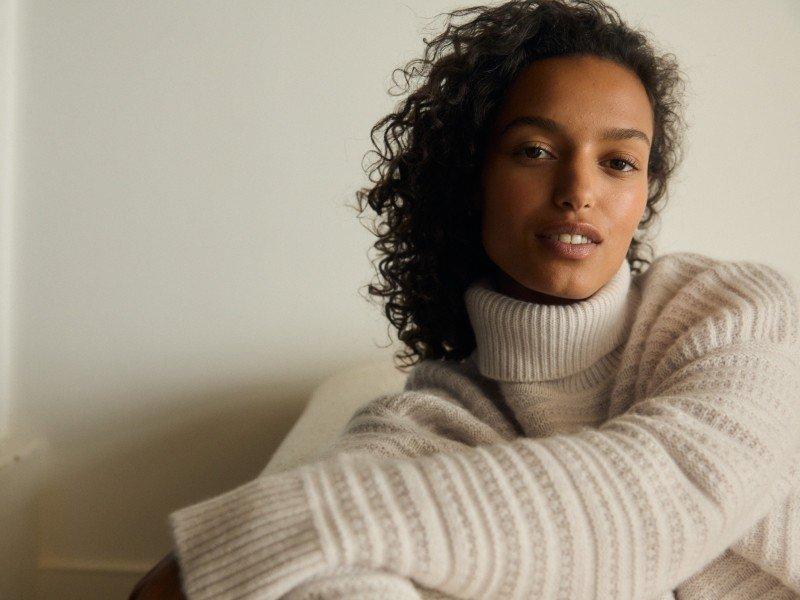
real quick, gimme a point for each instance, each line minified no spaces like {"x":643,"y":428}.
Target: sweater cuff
{"x":256,"y":541}
{"x":361,"y":583}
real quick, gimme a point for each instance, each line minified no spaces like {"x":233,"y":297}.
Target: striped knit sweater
{"x":638,"y":444}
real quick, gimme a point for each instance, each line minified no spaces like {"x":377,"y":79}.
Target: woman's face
{"x":552,"y":158}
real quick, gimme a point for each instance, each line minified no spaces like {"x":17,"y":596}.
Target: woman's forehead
{"x":579,"y":92}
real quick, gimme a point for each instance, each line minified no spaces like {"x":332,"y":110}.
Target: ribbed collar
{"x":527,"y":341}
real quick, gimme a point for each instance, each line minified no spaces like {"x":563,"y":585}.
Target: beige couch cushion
{"x":331,"y":405}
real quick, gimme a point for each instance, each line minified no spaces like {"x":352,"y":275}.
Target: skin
{"x":162,"y":582}
{"x":576,"y":176}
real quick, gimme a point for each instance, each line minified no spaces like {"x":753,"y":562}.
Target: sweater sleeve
{"x":437,"y":412}
{"x":627,"y":510}
{"x":440,"y":409}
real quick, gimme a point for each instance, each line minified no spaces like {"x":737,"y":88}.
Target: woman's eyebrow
{"x":613,"y":133}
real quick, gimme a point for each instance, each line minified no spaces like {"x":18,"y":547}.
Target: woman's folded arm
{"x":627,"y":510}
{"x":405,"y":424}
{"x":437,"y":412}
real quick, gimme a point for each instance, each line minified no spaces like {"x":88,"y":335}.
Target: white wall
{"x":184,"y":270}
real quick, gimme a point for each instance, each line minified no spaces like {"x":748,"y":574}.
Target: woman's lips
{"x":564,"y":250}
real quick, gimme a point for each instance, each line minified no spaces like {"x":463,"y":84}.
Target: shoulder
{"x":687,"y":266}
{"x":458,"y":381}
{"x":730,"y":298}
{"x":697,"y":312}
{"x":461,"y":383}
{"x":447,"y":373}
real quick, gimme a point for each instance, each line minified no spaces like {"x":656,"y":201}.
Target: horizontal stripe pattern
{"x":656,"y":460}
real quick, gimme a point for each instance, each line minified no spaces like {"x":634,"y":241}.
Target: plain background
{"x":180,"y":268}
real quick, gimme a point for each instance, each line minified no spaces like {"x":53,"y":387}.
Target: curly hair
{"x":428,"y":163}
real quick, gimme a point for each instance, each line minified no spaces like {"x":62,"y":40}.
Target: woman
{"x":574,"y":426}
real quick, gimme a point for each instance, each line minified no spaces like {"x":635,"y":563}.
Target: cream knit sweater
{"x":639,"y":444}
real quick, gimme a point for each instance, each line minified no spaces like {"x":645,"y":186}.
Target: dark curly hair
{"x":427,"y":167}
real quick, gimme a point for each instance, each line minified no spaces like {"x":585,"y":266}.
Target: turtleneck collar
{"x":527,"y":341}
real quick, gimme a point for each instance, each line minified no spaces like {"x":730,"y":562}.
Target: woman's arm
{"x":628,"y":510}
{"x":438,"y":411}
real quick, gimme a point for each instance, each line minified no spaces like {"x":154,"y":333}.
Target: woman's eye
{"x":631,"y":164}
{"x":531,"y":151}
{"x":534,"y":152}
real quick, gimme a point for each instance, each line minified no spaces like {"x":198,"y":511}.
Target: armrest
{"x":330,"y":407}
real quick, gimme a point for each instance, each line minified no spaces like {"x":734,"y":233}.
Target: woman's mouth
{"x":577,"y":246}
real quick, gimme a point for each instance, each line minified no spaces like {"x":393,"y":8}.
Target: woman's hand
{"x":162,"y":582}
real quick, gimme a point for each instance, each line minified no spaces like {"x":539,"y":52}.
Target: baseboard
{"x":81,"y":565}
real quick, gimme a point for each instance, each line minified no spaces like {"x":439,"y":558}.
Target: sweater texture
{"x":638,"y":444}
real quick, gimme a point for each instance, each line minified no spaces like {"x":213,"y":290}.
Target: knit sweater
{"x":637,"y":444}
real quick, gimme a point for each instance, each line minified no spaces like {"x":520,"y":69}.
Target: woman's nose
{"x":576,"y":186}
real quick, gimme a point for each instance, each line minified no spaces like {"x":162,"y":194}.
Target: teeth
{"x":569,"y":239}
